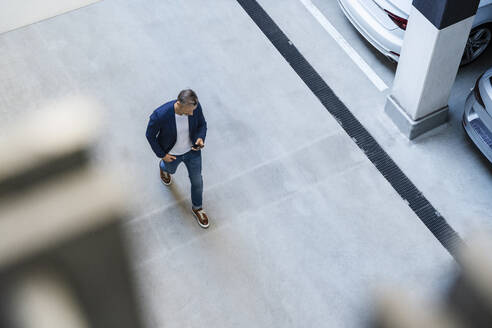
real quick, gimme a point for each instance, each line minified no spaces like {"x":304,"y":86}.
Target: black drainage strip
{"x":383,"y":162}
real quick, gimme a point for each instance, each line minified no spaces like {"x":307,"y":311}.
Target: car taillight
{"x":476,"y":91}
{"x":399,"y":21}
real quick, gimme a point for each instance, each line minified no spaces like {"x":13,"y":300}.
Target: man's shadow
{"x":179,"y":191}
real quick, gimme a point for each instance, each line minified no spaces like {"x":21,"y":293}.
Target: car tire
{"x":478,"y":41}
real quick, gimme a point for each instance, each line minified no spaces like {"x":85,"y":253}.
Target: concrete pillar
{"x":434,"y":43}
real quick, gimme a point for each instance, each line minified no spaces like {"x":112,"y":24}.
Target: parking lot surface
{"x":304,"y":228}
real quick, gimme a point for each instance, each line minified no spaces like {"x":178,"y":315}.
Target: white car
{"x":383,"y":24}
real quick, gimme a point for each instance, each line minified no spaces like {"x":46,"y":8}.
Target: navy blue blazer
{"x":161,"y":130}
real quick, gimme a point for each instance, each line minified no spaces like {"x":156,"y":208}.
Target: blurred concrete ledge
{"x":63,"y":253}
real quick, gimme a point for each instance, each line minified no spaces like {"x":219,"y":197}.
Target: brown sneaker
{"x":201,"y":217}
{"x":165,"y":177}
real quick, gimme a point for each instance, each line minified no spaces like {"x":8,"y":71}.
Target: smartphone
{"x":196,"y":146}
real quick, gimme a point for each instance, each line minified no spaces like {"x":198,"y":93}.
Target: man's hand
{"x":199,"y":143}
{"x":168,"y":158}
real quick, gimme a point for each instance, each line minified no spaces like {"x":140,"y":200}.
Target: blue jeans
{"x":193,"y":162}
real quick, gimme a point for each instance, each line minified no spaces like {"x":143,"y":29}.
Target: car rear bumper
{"x":387,"y":41}
{"x":476,"y":126}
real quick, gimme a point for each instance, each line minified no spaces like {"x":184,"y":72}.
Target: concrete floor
{"x":442,"y":163}
{"x":304,"y":227}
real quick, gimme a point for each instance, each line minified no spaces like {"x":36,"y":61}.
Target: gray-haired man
{"x":176,"y":132}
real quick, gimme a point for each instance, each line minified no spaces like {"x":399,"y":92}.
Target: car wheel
{"x":478,"y":41}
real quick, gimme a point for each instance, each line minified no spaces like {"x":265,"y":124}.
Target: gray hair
{"x":188,"y":97}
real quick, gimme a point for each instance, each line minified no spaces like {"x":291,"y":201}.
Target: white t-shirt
{"x":183,"y":142}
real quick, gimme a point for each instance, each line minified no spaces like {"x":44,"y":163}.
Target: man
{"x":176,"y":132}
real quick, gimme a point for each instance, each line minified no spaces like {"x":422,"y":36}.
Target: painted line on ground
{"x":356,"y":58}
